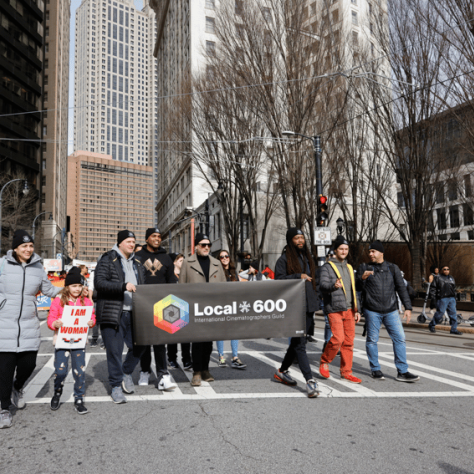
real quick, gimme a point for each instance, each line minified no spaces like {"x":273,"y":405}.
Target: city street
{"x":245,"y":422}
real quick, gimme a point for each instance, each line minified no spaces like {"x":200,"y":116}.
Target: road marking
{"x":38,"y":382}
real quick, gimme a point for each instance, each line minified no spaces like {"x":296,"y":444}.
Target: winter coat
{"x":19,"y":285}
{"x":56,"y":310}
{"x":191,"y":271}
{"x":379,"y":291}
{"x":110,"y":284}
{"x":159,"y":267}
{"x":334,"y":299}
{"x":443,"y":287}
{"x":312,"y":298}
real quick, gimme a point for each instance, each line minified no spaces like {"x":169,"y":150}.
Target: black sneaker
{"x":94,"y":343}
{"x":55,"y":401}
{"x":407,"y":377}
{"x":311,"y":339}
{"x":377,"y":375}
{"x":455,"y":331}
{"x":80,"y":407}
{"x":431,"y":328}
{"x":172,"y":364}
{"x":188,"y":365}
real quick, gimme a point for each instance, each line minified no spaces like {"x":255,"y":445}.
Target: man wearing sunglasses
{"x":201,"y":268}
{"x":443,"y":291}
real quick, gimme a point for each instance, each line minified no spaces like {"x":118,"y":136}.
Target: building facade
{"x":55,"y":124}
{"x":104,"y":197}
{"x":113,"y":86}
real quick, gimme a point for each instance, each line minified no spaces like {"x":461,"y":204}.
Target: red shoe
{"x":324,"y":370}
{"x":351,"y":378}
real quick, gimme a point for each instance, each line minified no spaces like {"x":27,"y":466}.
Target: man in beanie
{"x":117,"y":275}
{"x":296,"y":262}
{"x":337,"y":286}
{"x":159,"y":268}
{"x":201,"y":268}
{"x":380,"y":282}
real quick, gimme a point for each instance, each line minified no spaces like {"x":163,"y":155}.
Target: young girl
{"x":71,"y":295}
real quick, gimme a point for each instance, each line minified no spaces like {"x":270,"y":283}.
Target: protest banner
{"x":52,"y":265}
{"x":167,"y":314}
{"x":73,"y":333}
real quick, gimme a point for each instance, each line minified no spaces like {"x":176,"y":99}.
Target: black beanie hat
{"x":255,"y":264}
{"x":74,"y":277}
{"x":200,"y":237}
{"x":151,"y":231}
{"x":21,"y":237}
{"x":292,"y":232}
{"x":377,"y":245}
{"x":340,"y":240}
{"x":124,"y":234}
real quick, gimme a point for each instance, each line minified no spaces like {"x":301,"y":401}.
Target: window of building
{"x":439,"y":193}
{"x":355,"y":39}
{"x":210,"y":48}
{"x":267,"y":14}
{"x":210,"y":25}
{"x":211,"y":4}
{"x":452,"y":190}
{"x":454,"y":216}
{"x":441,"y":214}
{"x":467,"y":185}
{"x":468,"y":214}
{"x":355,"y":20}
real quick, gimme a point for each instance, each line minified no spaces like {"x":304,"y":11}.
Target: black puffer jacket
{"x":312,"y":298}
{"x":379,"y":290}
{"x":109,"y":281}
{"x":442,"y":287}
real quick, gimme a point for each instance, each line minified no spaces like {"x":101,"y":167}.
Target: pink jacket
{"x":56,"y":310}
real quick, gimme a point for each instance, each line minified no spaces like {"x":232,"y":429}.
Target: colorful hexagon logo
{"x":171,"y":314}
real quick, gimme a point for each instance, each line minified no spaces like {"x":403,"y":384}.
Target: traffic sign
{"x":59,"y":256}
{"x":322,"y":236}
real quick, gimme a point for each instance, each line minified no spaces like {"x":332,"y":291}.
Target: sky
{"x":74,"y":6}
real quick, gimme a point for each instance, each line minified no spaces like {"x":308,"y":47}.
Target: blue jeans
{"x":443,"y":305}
{"x":78,"y":362}
{"x":114,"y":337}
{"x":394,"y":328}
{"x":327,"y":329}
{"x":233,"y":344}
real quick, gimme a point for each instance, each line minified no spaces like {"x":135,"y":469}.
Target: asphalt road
{"x":245,"y":423}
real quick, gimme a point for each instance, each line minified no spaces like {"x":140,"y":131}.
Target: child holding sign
{"x":71,"y":295}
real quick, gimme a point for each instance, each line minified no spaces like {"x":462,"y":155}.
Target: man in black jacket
{"x":443,"y":292}
{"x":159,"y":269}
{"x":296,"y":262}
{"x":117,"y":275}
{"x":380,"y":282}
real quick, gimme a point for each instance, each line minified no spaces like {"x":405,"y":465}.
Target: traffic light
{"x":322,"y":215}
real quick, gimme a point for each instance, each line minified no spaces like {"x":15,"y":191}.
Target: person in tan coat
{"x":201,"y":268}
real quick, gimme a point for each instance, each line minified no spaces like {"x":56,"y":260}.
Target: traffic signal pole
{"x":317,"y":160}
{"x":322,"y":201}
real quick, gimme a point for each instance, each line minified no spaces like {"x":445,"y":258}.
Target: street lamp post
{"x":25,"y":191}
{"x":34,"y":222}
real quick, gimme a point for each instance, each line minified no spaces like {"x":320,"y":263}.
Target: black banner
{"x":167,"y":314}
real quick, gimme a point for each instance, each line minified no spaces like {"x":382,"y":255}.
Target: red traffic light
{"x":323,"y":199}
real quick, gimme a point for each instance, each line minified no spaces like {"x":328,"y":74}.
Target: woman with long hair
{"x":22,"y":276}
{"x":231,"y":275}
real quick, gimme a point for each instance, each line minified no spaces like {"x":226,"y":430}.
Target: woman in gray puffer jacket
{"x":21,"y":277}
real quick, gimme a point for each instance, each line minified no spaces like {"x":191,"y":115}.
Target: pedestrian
{"x":201,"y":268}
{"x":296,"y":262}
{"x":159,"y":269}
{"x":380,"y":283}
{"x":22,"y":276}
{"x":231,"y":275}
{"x":117,"y":275}
{"x":327,"y":327}
{"x":70,"y":295}
{"x":172,"y":349}
{"x":338,"y":289}
{"x":434,"y":273}
{"x":443,"y":291}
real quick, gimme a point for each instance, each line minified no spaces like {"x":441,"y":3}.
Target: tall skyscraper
{"x":55,"y":124}
{"x":113,"y":79}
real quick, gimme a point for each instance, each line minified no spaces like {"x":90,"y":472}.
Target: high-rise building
{"x":104,"y":197}
{"x":21,"y":64}
{"x":55,"y":123}
{"x":113,"y":80}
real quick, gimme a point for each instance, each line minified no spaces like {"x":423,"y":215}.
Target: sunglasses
{"x":444,"y":269}
{"x":223,"y":256}
{"x":205,"y":245}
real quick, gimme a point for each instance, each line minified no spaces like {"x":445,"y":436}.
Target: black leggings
{"x":24,"y":363}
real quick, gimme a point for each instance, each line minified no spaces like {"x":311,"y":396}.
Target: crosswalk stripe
{"x":39,"y":380}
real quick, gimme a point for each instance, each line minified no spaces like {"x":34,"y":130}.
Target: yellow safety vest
{"x":351,"y":271}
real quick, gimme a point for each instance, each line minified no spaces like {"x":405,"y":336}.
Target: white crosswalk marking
{"x":35,"y":386}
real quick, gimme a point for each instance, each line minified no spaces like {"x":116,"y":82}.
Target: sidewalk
{"x":464,"y":327}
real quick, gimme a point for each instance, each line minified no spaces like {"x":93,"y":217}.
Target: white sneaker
{"x":166,"y":383}
{"x":144,"y":378}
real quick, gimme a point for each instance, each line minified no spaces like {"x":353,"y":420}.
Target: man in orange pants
{"x":337,"y":287}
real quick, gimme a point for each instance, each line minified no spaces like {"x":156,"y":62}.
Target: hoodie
{"x":158,"y":266}
{"x":130,"y":276}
